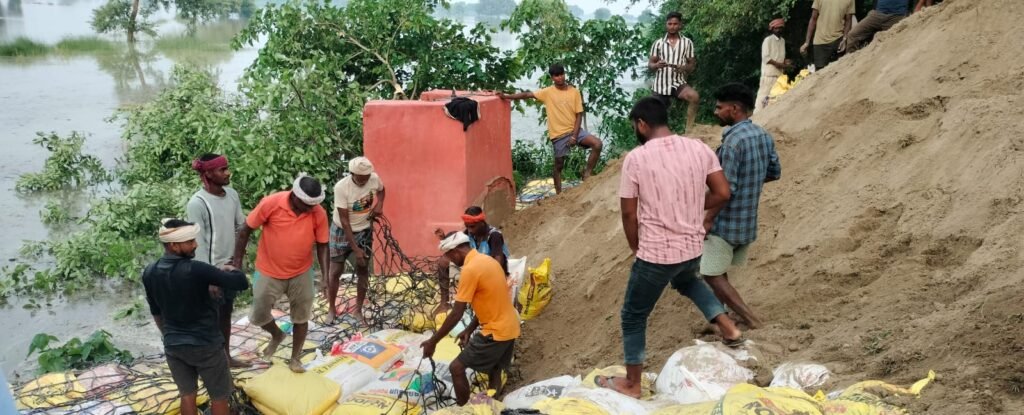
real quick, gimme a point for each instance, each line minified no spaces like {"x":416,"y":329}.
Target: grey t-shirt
{"x":220,"y":217}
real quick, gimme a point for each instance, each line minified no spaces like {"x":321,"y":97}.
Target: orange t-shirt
{"x":482,"y":284}
{"x":286,"y":246}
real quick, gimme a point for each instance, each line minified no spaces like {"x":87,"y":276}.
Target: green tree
{"x":130,"y":16}
{"x":602,"y":13}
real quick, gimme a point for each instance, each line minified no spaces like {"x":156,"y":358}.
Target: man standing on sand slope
{"x":749,"y":160}
{"x":217,"y":210}
{"x":293,"y":222}
{"x":663,"y":202}
{"x":563,"y":105}
{"x":672,"y":60}
{"x":773,"y":61}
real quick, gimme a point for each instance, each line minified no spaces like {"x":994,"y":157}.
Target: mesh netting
{"x":403,"y":293}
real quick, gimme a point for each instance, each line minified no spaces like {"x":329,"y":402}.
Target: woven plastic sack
{"x":366,"y":404}
{"x":49,"y":391}
{"x":527,"y":396}
{"x":279,"y":391}
{"x":535,"y":294}
{"x":700,"y":373}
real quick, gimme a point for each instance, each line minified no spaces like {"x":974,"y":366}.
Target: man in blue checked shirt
{"x":748,"y":157}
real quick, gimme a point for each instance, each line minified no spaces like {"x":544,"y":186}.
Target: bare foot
{"x":296,"y":366}
{"x":238,"y":364}
{"x":332,"y":315}
{"x":620,"y":385}
{"x":271,"y":348}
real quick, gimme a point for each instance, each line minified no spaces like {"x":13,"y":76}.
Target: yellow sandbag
{"x":747,"y":399}
{"x":703,"y":408}
{"x":781,"y":86}
{"x":366,"y":404}
{"x":279,"y":391}
{"x":647,"y":386}
{"x":417,"y":321}
{"x":863,"y":398}
{"x":157,"y":395}
{"x":536,"y":294}
{"x":50,"y":391}
{"x":479,"y":404}
{"x":568,"y":406}
{"x":446,"y":350}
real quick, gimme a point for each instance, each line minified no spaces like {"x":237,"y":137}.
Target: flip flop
{"x":734,"y":343}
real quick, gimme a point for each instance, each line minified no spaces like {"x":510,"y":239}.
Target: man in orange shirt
{"x":482,"y":285}
{"x":292,"y":222}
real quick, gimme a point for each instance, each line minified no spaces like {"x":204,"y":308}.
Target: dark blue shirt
{"x":896,"y":7}
{"x":748,"y":158}
{"x":177,"y":289}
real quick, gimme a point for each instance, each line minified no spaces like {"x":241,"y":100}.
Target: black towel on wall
{"x":462,"y":109}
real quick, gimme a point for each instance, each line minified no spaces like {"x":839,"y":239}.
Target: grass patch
{"x":191,"y":43}
{"x":24,"y":47}
{"x":85,"y":44}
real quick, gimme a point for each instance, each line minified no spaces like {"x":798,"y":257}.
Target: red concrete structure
{"x":433,"y":170}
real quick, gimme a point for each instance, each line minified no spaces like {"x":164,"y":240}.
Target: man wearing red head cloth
{"x":484,"y":238}
{"x":217,"y":210}
{"x":773,"y":61}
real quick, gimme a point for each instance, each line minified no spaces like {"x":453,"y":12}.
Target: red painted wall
{"x":432,"y":170}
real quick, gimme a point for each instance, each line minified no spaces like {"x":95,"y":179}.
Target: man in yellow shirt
{"x":482,"y":285}
{"x":830,"y":23}
{"x":563,"y":104}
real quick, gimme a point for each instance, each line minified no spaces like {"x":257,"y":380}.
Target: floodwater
{"x":80,"y":93}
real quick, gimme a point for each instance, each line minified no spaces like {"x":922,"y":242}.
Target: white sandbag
{"x":516,"y":271}
{"x":346,"y":371}
{"x":527,"y":396}
{"x":613,"y":402}
{"x":799,"y":375}
{"x":700,"y":373}
{"x":410,"y":383}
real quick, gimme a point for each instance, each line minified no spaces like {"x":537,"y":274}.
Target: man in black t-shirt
{"x":177,"y":290}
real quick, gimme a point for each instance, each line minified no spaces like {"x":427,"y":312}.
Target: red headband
{"x":212,"y":164}
{"x":474,"y":219}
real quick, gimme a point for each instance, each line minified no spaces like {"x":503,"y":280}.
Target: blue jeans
{"x":646,"y":283}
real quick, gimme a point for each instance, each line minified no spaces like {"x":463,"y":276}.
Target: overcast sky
{"x":616,"y":6}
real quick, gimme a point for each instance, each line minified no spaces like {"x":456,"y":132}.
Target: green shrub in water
{"x":76,"y":354}
{"x":85,"y":44}
{"x":66,"y":167}
{"x":23,"y":47}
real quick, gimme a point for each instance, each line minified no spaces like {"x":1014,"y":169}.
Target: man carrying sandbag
{"x":482,"y":285}
{"x":663,"y":200}
{"x":177,"y":289}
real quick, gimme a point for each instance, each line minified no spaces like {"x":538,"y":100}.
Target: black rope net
{"x":403,"y":294}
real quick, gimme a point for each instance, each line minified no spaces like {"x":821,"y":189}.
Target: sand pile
{"x":894,"y":243}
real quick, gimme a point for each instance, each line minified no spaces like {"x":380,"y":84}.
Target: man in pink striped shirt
{"x":663,"y":202}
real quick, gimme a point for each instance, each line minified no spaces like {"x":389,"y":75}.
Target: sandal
{"x":734,"y":343}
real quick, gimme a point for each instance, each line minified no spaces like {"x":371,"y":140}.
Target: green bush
{"x":24,"y":47}
{"x":76,"y":354}
{"x":66,"y":167}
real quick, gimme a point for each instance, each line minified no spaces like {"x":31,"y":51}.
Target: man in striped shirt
{"x":672,"y":60}
{"x":663,"y":201}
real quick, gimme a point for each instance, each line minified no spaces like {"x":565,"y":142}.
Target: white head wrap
{"x":453,"y":241}
{"x":307,"y":199}
{"x":179,"y":234}
{"x":360,"y":165}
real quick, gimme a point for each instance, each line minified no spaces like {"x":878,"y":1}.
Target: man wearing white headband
{"x":177,"y":290}
{"x":482,"y":285}
{"x":292,"y":221}
{"x":358,"y":199}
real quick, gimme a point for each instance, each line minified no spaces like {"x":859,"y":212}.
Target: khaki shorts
{"x":718,"y":255}
{"x":266,"y":290}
